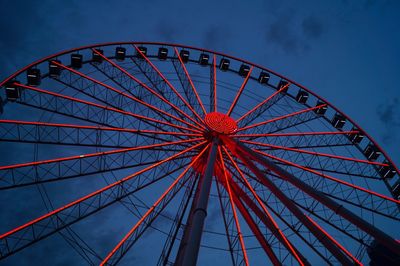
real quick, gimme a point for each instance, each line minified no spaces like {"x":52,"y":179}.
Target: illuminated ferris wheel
{"x":210,"y":157}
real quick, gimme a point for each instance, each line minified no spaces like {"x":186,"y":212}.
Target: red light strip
{"x":295,"y":134}
{"x":121,"y":181}
{"x":105,"y":107}
{"x":97,"y":154}
{"x":228,"y":188}
{"x":328,"y":177}
{"x":263,"y":102}
{"x":144,"y":131}
{"x":146,"y":87}
{"x":190,"y":81}
{"x":281,"y":117}
{"x":286,"y":241}
{"x":334,"y":241}
{"x":239,"y":92}
{"x":150,"y":210}
{"x":124,"y":94}
{"x":314,"y":153}
{"x":168,"y":83}
{"x":215,"y":81}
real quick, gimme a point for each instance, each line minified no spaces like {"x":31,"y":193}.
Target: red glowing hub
{"x":220,"y":123}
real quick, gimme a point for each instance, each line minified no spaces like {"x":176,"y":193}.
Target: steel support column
{"x":189,"y":248}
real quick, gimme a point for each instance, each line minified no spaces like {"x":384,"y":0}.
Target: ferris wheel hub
{"x":220,"y":123}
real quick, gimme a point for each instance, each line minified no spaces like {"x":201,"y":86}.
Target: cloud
{"x":312,"y":27}
{"x":389,"y":115}
{"x":293,"y":34}
{"x":216,"y":37}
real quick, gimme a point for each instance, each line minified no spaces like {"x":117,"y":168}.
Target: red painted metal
{"x":142,"y":131}
{"x":121,"y":181}
{"x":190,"y":81}
{"x":149,"y":211}
{"x":295,"y":134}
{"x":168,"y":83}
{"x":356,"y":261}
{"x":146,"y":87}
{"x":263,"y":102}
{"x":99,"y":153}
{"x":276,"y":228}
{"x":281,"y":117}
{"x":214,"y":53}
{"x":215,"y":81}
{"x":313,"y":153}
{"x":239,"y":92}
{"x":105,"y":107}
{"x":228,"y":188}
{"x":329,"y":177}
{"x":133,"y":98}
{"x":220,"y":123}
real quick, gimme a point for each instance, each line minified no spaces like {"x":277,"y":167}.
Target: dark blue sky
{"x":346,"y":51}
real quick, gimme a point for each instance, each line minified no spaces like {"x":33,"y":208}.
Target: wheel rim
{"x":127,"y":100}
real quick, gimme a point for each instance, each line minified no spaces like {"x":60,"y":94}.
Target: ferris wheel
{"x":203,"y":157}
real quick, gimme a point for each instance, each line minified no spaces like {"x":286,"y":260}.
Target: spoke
{"x":229,"y":237}
{"x":146,"y":87}
{"x":133,"y":98}
{"x":339,"y":209}
{"x":190,"y":81}
{"x":281,"y":117}
{"x":37,"y":229}
{"x":228,"y":187}
{"x":295,"y":134}
{"x":103,"y":108}
{"x":329,"y":177}
{"x":314,"y":153}
{"x":79,"y":135}
{"x":357,"y":262}
{"x":239,"y":92}
{"x":244,"y":157}
{"x":261,"y":107}
{"x":100,"y":128}
{"x":168,"y":83}
{"x":257,"y":232}
{"x":74,"y":166}
{"x":276,"y":228}
{"x":213,"y":85}
{"x":123,"y":246}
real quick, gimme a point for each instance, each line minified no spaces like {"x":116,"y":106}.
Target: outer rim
{"x":387,"y":157}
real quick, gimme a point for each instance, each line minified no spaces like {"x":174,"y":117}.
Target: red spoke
{"x":98,"y":153}
{"x":239,"y":92}
{"x":263,"y":102}
{"x":261,"y":203}
{"x":129,"y":130}
{"x":328,"y":177}
{"x":190,"y":81}
{"x":314,"y":153}
{"x":168,"y":83}
{"x":150,"y":210}
{"x":257,"y":232}
{"x":281,"y":117}
{"x":295,"y":134}
{"x":246,"y":156}
{"x":214,"y":66}
{"x":334,"y":241}
{"x":228,"y":188}
{"x":105,"y":107}
{"x":119,"y":182}
{"x":124,"y":94}
{"x":146,"y":87}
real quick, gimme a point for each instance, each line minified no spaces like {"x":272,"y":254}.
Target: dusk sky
{"x":345,"y":51}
